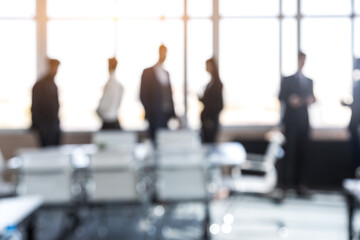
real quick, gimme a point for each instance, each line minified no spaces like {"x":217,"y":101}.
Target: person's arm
{"x":144,"y":91}
{"x":311,"y":97}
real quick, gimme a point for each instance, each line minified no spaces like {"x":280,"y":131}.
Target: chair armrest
{"x":256,"y":166}
{"x":254,"y":157}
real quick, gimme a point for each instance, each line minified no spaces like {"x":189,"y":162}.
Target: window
{"x":326,"y":7}
{"x":17,"y":61}
{"x":255,"y":41}
{"x":83,"y":48}
{"x":329,"y":64}
{"x":199,"y":50}
{"x":249,"y":7}
{"x":138,"y":42}
{"x":249,"y":67}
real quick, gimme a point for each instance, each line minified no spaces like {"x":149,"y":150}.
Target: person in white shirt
{"x":156,"y":95}
{"x":108,"y":109}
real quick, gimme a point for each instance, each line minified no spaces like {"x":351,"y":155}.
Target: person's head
{"x":53,"y":65}
{"x":211,"y":67}
{"x":162,"y":53}
{"x":112,"y":64}
{"x":301,"y":60}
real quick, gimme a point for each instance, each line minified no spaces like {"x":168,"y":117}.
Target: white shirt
{"x":161,"y":74}
{"x":109,"y":104}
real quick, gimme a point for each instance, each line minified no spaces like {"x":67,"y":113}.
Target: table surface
{"x":217,"y":155}
{"x":15,"y":210}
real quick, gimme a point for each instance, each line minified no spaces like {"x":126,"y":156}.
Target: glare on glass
{"x":249,"y":7}
{"x":357,"y":38}
{"x":199,"y":50}
{"x":289,"y":46}
{"x":199,"y":8}
{"x":17,"y":8}
{"x":289,"y":7}
{"x":327,"y":43}
{"x":357,"y":6}
{"x":138,"y":43}
{"x":83,"y":48}
{"x":18,"y":72}
{"x":326,"y":7}
{"x":249,"y":67}
{"x":80,"y":8}
{"x":150,"y":8}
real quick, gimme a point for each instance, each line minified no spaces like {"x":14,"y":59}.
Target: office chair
{"x":258,"y":173}
{"x":112,"y":168}
{"x":182,"y":173}
{"x":47,"y":173}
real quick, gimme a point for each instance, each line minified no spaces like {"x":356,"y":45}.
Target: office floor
{"x":241,"y":217}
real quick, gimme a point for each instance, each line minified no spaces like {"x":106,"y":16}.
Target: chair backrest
{"x":274,"y":150}
{"x":180,"y":170}
{"x":46,"y":173}
{"x":177,"y":141}
{"x":179,"y":148}
{"x":118,"y":141}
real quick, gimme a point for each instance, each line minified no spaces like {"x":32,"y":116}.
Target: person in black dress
{"x":45,"y":107}
{"x":213,"y":104}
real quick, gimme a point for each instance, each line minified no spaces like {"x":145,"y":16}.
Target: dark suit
{"x":45,"y":110}
{"x":213,"y":104}
{"x":354,"y":124}
{"x":157,"y":101}
{"x":296,"y":123}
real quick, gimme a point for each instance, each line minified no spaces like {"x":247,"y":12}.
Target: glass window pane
{"x":18,"y":72}
{"x":329,"y":64}
{"x":17,"y":8}
{"x":200,"y":8}
{"x":357,"y":38}
{"x":249,"y":7}
{"x":199,"y":50}
{"x":80,"y":8}
{"x":83,"y":48}
{"x":325,"y":7}
{"x":138,"y":43}
{"x":150,"y":8}
{"x":357,"y":6}
{"x":289,"y":46}
{"x":289,"y":7}
{"x":249,"y":67}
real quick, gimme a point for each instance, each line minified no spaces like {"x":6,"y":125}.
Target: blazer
{"x":45,"y":104}
{"x":292,"y":85}
{"x":152,"y":97}
{"x":212,"y":100}
{"x":355,"y":108}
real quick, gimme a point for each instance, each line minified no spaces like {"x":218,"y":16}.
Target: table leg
{"x":206,"y":234}
{"x":350,"y":208}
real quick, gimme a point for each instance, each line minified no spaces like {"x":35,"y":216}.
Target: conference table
{"x":19,"y":211}
{"x":217,"y":156}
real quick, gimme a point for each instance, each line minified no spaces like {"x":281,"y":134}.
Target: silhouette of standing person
{"x":213,"y":104}
{"x":110,"y":101}
{"x":45,"y":107}
{"x":355,"y":119}
{"x":156,"y":95}
{"x":296,"y":95}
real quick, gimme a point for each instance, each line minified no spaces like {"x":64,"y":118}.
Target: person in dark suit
{"x":213,"y":104}
{"x":156,"y":95}
{"x":296,"y":95}
{"x":355,"y":119}
{"x":45,"y":107}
